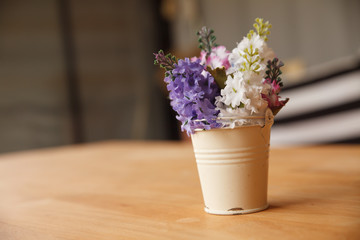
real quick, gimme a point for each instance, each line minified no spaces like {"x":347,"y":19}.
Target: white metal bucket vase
{"x":233,"y":167}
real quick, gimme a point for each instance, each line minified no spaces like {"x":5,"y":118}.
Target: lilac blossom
{"x":192,"y":94}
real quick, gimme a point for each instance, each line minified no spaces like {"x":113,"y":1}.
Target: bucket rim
{"x":229,"y":128}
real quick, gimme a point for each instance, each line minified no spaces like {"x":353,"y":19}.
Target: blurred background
{"x":82,"y":71}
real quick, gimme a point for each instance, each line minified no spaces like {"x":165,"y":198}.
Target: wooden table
{"x":150,"y":190}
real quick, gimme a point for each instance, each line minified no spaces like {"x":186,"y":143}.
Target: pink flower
{"x":272,"y":97}
{"x":275,"y":87}
{"x":217,"y":58}
{"x":273,"y":100}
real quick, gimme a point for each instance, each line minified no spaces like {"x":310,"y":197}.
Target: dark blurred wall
{"x":33,"y":94}
{"x":114,"y":43}
{"x":103,"y":49}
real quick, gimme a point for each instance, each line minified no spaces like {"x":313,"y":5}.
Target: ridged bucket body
{"x":233,"y":168}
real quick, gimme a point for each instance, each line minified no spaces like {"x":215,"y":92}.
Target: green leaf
{"x":219,"y":75}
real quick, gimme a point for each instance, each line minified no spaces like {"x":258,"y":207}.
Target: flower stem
{"x":206,"y":40}
{"x":165,"y":61}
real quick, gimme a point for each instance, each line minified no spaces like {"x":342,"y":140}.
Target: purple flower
{"x":192,"y":94}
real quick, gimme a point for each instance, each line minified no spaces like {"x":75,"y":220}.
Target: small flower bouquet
{"x":234,"y":96}
{"x":221,"y":88}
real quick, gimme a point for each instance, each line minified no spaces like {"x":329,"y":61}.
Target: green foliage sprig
{"x":273,"y":73}
{"x":165,"y":61}
{"x":206,"y":39}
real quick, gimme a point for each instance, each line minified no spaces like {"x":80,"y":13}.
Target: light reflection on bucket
{"x":233,"y":167}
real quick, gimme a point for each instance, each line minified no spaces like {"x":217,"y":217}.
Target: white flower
{"x":236,"y":58}
{"x":242,"y":95}
{"x":234,"y":89}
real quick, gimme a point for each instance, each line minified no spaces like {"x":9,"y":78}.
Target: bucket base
{"x":235,"y":212}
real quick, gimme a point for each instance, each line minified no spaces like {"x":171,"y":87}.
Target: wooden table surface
{"x":150,"y":190}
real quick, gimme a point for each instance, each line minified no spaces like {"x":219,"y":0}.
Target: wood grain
{"x":150,"y":190}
